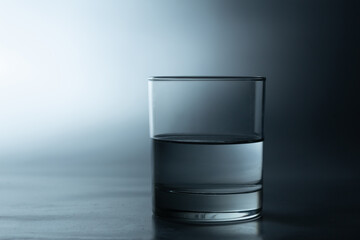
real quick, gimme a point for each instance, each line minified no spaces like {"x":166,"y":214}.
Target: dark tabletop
{"x":105,"y":193}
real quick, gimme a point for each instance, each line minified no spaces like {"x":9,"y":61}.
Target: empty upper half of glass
{"x":197,"y":108}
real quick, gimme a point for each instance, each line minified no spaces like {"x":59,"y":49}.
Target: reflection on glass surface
{"x":164,"y":229}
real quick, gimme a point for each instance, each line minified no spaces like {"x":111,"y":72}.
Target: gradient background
{"x":73,"y":101}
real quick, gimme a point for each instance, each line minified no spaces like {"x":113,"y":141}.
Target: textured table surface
{"x":98,"y":196}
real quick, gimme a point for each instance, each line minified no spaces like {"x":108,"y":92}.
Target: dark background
{"x":75,"y":149}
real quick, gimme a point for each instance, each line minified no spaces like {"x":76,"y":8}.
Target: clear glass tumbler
{"x":207,"y":147}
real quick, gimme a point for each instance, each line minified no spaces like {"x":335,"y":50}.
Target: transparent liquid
{"x":207,"y":178}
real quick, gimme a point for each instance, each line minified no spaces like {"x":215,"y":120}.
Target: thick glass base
{"x":209,"y":205}
{"x":209,"y":217}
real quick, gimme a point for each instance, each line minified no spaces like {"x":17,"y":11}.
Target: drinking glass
{"x":207,"y":147}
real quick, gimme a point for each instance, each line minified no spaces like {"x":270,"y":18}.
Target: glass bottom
{"x":209,"y":205}
{"x":209,"y":217}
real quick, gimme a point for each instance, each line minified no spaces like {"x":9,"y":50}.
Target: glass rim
{"x":207,"y":78}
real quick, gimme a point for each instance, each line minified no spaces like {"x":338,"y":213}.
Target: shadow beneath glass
{"x":165,"y":229}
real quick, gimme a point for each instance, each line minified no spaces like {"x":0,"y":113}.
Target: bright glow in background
{"x":68,"y":68}
{"x":73,"y":74}
{"x":72,"y":69}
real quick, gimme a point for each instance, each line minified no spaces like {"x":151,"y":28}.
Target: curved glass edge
{"x":207,"y":78}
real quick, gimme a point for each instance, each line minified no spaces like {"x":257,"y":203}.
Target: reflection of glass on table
{"x":172,"y":230}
